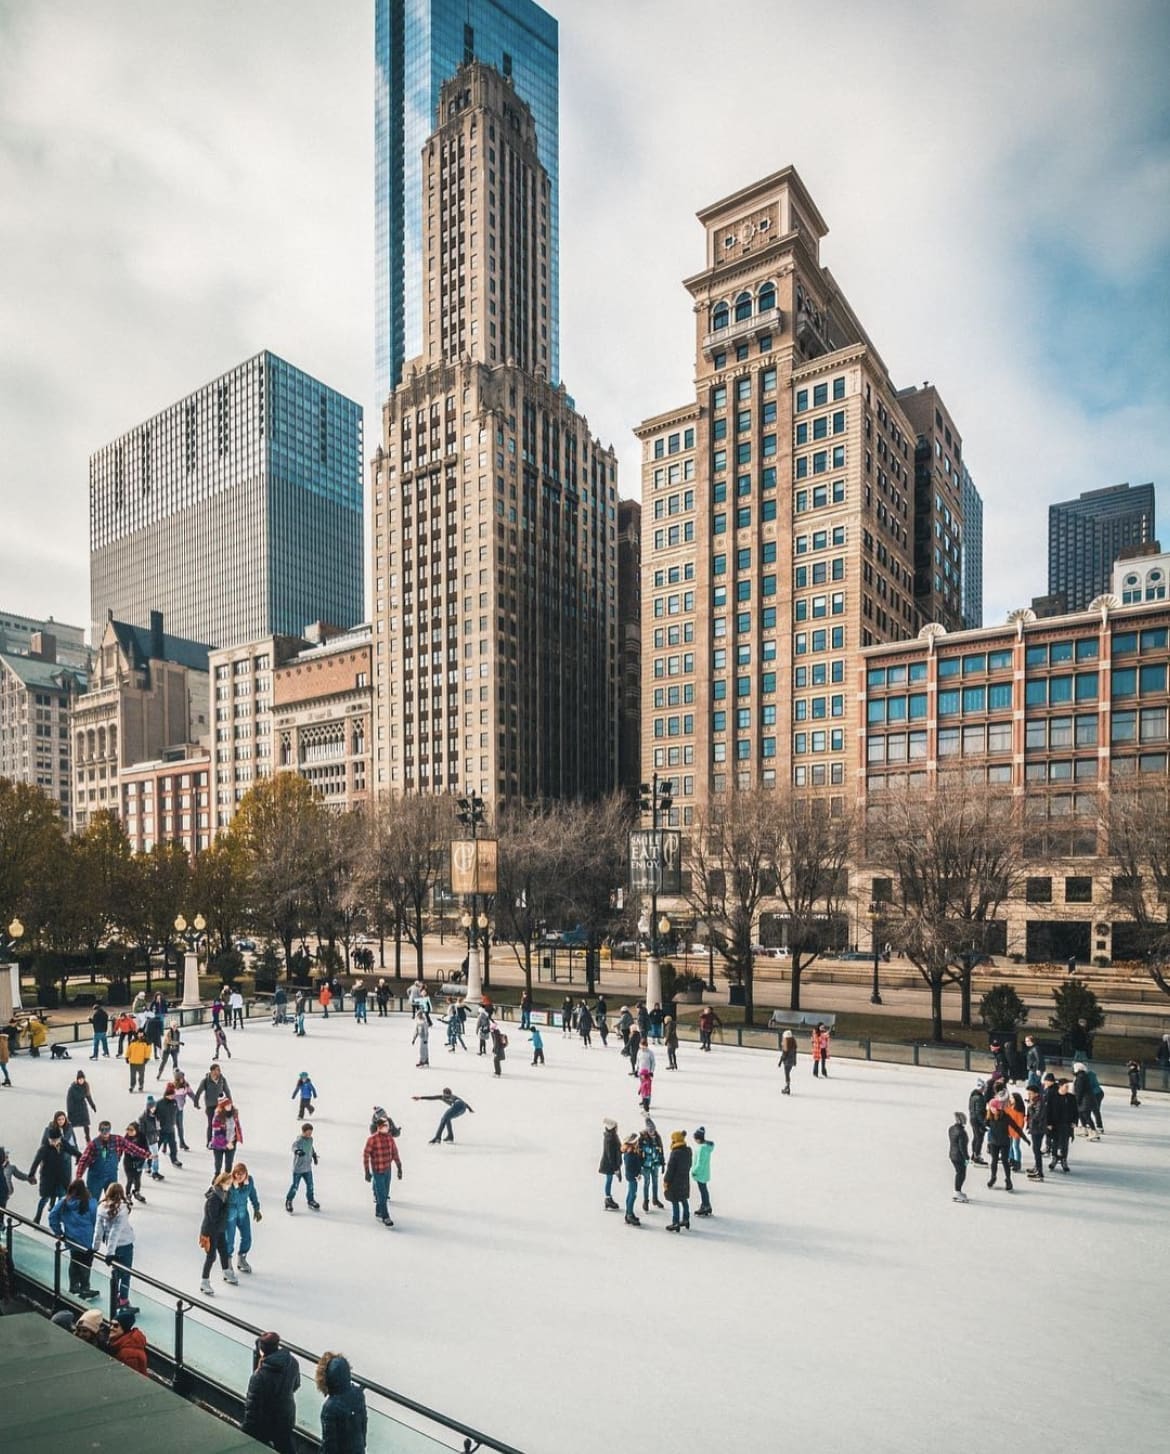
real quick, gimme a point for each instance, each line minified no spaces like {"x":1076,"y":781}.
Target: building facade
{"x":1052,"y":711}
{"x":1140,"y":573}
{"x":494,"y":508}
{"x":972,"y":553}
{"x":419,"y":45}
{"x":241,"y":736}
{"x":17,"y":633}
{"x":168,"y":801}
{"x":148,"y":693}
{"x":779,"y":516}
{"x":237,"y":512}
{"x":1086,"y":536}
{"x":938,"y":507}
{"x":629,"y":577}
{"x":36,"y":702}
{"x":322,"y":705}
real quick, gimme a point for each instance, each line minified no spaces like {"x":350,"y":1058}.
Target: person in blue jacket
{"x":74,"y":1217}
{"x":306,"y":1093}
{"x":242,"y":1201}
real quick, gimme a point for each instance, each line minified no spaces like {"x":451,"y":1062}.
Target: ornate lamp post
{"x":874,"y":914}
{"x":10,"y":1000}
{"x":470,"y":812}
{"x":190,"y":935}
{"x":656,"y":798}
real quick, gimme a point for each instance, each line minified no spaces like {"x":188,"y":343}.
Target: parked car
{"x":246,"y":946}
{"x":625,"y":949}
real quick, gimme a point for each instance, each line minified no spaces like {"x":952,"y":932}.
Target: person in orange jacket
{"x":1017,"y":1118}
{"x":819,"y":1046}
{"x":325,"y":998}
{"x":128,"y":1342}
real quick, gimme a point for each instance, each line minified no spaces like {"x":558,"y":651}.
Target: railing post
{"x":179,"y":1377}
{"x":868,"y":1049}
{"x":58,"y":1248}
{"x":916,"y":1052}
{"x":967,"y":1059}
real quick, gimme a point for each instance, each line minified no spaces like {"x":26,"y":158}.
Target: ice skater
{"x":653,"y":1160}
{"x":677,"y":1182}
{"x":226,"y":1134}
{"x":645,"y":1087}
{"x":999,"y":1143}
{"x":819,"y":1044}
{"x":304,"y":1158}
{"x":455,"y":1028}
{"x":378,"y":1160}
{"x":212,"y":1233}
{"x":499,"y":1048}
{"x":670,"y":1040}
{"x":959,"y":1154}
{"x":172,"y":1044}
{"x":422,"y":1034}
{"x":632,"y":1170}
{"x":537,"y":1044}
{"x":610,"y":1164}
{"x":707,"y":1023}
{"x":242,"y":1202}
{"x":787,"y":1060}
{"x":221,"y":1042}
{"x":456,"y":1106}
{"x":1134,"y":1072}
{"x":585,"y":1025}
{"x":304,"y":1093}
{"x":701,"y":1170}
{"x":977,"y":1111}
{"x":483,"y":1028}
{"x":1037,"y":1129}
{"x":300,"y":1004}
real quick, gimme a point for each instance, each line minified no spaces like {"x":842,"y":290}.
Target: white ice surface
{"x":838,"y":1298}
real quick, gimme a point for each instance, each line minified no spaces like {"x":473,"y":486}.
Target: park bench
{"x":800,"y":1020}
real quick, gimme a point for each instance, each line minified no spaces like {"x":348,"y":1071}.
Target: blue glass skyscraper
{"x":418,"y":45}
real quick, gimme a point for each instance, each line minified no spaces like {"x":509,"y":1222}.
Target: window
{"x":1078,"y":890}
{"x":1038,"y":891}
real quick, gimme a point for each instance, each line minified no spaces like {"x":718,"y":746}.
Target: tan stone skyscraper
{"x":494,"y":508}
{"x":777,"y":517}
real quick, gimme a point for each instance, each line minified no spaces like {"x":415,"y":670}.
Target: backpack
{"x":503,"y":1041}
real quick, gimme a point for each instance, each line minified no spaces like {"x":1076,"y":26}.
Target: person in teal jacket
{"x":701,"y":1170}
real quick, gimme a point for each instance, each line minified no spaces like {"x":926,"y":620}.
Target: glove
{"x":400,"y":1173}
{"x":369,"y":1176}
{"x":259,"y":1215}
{"x":316,"y":1158}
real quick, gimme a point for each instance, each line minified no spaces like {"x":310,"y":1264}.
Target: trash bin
{"x":735,"y":994}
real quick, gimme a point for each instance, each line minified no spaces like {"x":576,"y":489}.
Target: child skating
{"x":537,"y":1045}
{"x":221,"y":1043}
{"x":304,"y":1158}
{"x":959,"y":1154}
{"x":645,"y":1087}
{"x":701,"y":1170}
{"x":305,"y":1093}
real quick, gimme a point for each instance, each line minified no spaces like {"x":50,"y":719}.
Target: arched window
{"x":743,"y":307}
{"x":81,"y":747}
{"x":720,"y":317}
{"x":1131,"y":580}
{"x":101,"y":742}
{"x":767,"y":298}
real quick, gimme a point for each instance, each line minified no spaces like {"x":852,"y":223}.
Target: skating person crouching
{"x":959,"y":1154}
{"x":455,"y":1107}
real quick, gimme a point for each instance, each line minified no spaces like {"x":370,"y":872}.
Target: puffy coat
{"x":53,"y":1166}
{"x":611,"y":1152}
{"x":110,"y":1233}
{"x":650,"y":1143}
{"x":78,"y":1104}
{"x":702,"y":1160}
{"x":977,"y":1108}
{"x":67,"y":1219}
{"x":138,"y":1052}
{"x":269,"y":1407}
{"x":343,"y":1414}
{"x":215,"y":1210}
{"x":677,"y":1181}
{"x":129,"y":1348}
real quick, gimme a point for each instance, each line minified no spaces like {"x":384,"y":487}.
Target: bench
{"x":800,"y":1020}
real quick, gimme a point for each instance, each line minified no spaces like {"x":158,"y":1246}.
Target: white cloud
{"x":185,"y":185}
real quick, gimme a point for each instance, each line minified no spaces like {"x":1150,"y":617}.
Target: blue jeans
{"x":631,"y":1195}
{"x":609,"y":1175}
{"x":650,"y":1184}
{"x":680,"y":1212}
{"x":704,"y":1198}
{"x":242,"y":1222}
{"x":381,"y":1185}
{"x":359,"y":1010}
{"x":100,"y":1041}
{"x":525,"y":1019}
{"x":299,"y":1176}
{"x":301,"y":1023}
{"x":445,"y":1123}
{"x":119,"y":1279}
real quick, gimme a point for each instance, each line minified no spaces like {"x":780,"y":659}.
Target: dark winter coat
{"x":1035,"y":1060}
{"x":1083,"y":1091}
{"x":959,"y":1148}
{"x":343,"y":1414}
{"x":270,"y":1409}
{"x":54,"y":1166}
{"x":166,"y":1113}
{"x":611,"y":1153}
{"x":677,"y":1181}
{"x":212,"y":1089}
{"x":632,"y":1165}
{"x":215,"y":1210}
{"x":998,"y":1131}
{"x":977,"y":1108}
{"x":1037,"y":1119}
{"x":78,"y":1104}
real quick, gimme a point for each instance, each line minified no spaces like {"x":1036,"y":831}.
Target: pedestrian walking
{"x":243,"y":1202}
{"x":653,"y":1160}
{"x":499,"y":1048}
{"x":677,"y":1182}
{"x":304,"y":1093}
{"x":820,"y":1051}
{"x":787,"y":1060}
{"x":422,"y":1036}
{"x":172,"y":1044}
{"x":610,"y":1165}
{"x":343,"y":1414}
{"x":632,"y":1171}
{"x":670,"y":1040}
{"x":270,"y":1411}
{"x":959,"y":1154}
{"x":378,"y":1160}
{"x":537,"y":1045}
{"x":99,"y":1161}
{"x":113,"y":1239}
{"x":999,"y":1144}
{"x":100,"y":1020}
{"x":226,"y":1134}
{"x":74,"y":1217}
{"x":455,"y":1108}
{"x":137,"y":1054}
{"x":221,"y":1042}
{"x":213,"y":1085}
{"x":701,"y":1170}
{"x":212,"y":1237}
{"x":78,"y":1104}
{"x":304,"y":1158}
{"x":1133,"y":1073}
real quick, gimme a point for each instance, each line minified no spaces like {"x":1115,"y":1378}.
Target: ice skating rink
{"x":838,"y":1299}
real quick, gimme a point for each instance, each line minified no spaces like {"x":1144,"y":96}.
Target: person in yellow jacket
{"x":138,"y":1052}
{"x":37,"y":1035}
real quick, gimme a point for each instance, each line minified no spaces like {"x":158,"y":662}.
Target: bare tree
{"x":280,"y":827}
{"x":530,"y":868}
{"x":954,"y":853}
{"x":1139,"y":839}
{"x":412,"y":842}
{"x":593,"y":842}
{"x":810,"y":858}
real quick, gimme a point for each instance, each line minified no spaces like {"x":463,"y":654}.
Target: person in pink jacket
{"x":226,"y":1134}
{"x":820,"y":1051}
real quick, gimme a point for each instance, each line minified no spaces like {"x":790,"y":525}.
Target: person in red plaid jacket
{"x":380,"y":1154}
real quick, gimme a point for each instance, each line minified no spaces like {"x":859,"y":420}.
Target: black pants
{"x":538,"y":1057}
{"x":133,"y":1174}
{"x":672,"y":1057}
{"x":960,"y":1175}
{"x":79,"y":1264}
{"x":218,"y":1248}
{"x":823,"y":1062}
{"x":999,"y":1156}
{"x":1038,"y":1153}
{"x":171,"y":1053}
{"x":977,"y":1135}
{"x":167,"y":1143}
{"x":1058,"y":1140}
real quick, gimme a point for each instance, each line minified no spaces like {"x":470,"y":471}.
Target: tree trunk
{"x":936,"y":1007}
{"x":965,"y":978}
{"x":528,"y":965}
{"x":589,"y":968}
{"x":486,"y":959}
{"x":398,"y":947}
{"x":286,"y":940}
{"x":749,"y":994}
{"x":797,"y":971}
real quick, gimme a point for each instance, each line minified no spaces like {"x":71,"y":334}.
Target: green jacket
{"x":701,"y":1170}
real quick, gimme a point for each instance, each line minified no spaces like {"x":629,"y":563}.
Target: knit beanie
{"x":677,"y":1139}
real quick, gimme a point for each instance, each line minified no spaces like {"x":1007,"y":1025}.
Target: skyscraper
{"x":494,"y":508}
{"x":237,"y":512}
{"x":972,"y":553}
{"x":419,"y":44}
{"x":938,"y":507}
{"x":1086,"y":535}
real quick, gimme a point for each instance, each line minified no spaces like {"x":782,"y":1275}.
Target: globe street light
{"x":8,"y":947}
{"x":191,"y":936}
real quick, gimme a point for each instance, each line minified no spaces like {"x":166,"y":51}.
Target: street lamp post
{"x":470,"y":811}
{"x":874,"y":916}
{"x":190,"y":935}
{"x":657,"y":797}
{"x":10,"y":1000}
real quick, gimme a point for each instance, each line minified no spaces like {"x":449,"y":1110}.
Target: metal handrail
{"x":473,"y":1438}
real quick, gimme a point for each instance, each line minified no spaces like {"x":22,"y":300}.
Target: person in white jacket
{"x":113,"y":1239}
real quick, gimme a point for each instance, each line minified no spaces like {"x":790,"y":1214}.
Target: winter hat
{"x":89,"y":1322}
{"x":224,"y":1101}
{"x":610,"y":1124}
{"x":650,"y":1126}
{"x":677,"y":1139}
{"x":150,"y":1100}
{"x":701,"y":1134}
{"x":80,"y":1075}
{"x":979,"y":1084}
{"x":124,"y":1317}
{"x":268,"y":1342}
{"x":1079,"y":1065}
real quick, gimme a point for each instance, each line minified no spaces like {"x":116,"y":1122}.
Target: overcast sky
{"x":184,"y":184}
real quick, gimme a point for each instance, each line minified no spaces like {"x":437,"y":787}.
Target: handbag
{"x":205,"y":1242}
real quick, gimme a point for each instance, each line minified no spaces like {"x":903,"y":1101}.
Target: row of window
{"x":817,"y":463}
{"x":820,"y":394}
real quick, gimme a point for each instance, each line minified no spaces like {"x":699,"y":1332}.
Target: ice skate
{"x":610,"y":1205}
{"x":632,"y":1221}
{"x":206,"y":1288}
{"x":243,"y":1264}
{"x":960,"y":1197}
{"x":230,"y":1277}
{"x":316,"y":1206}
